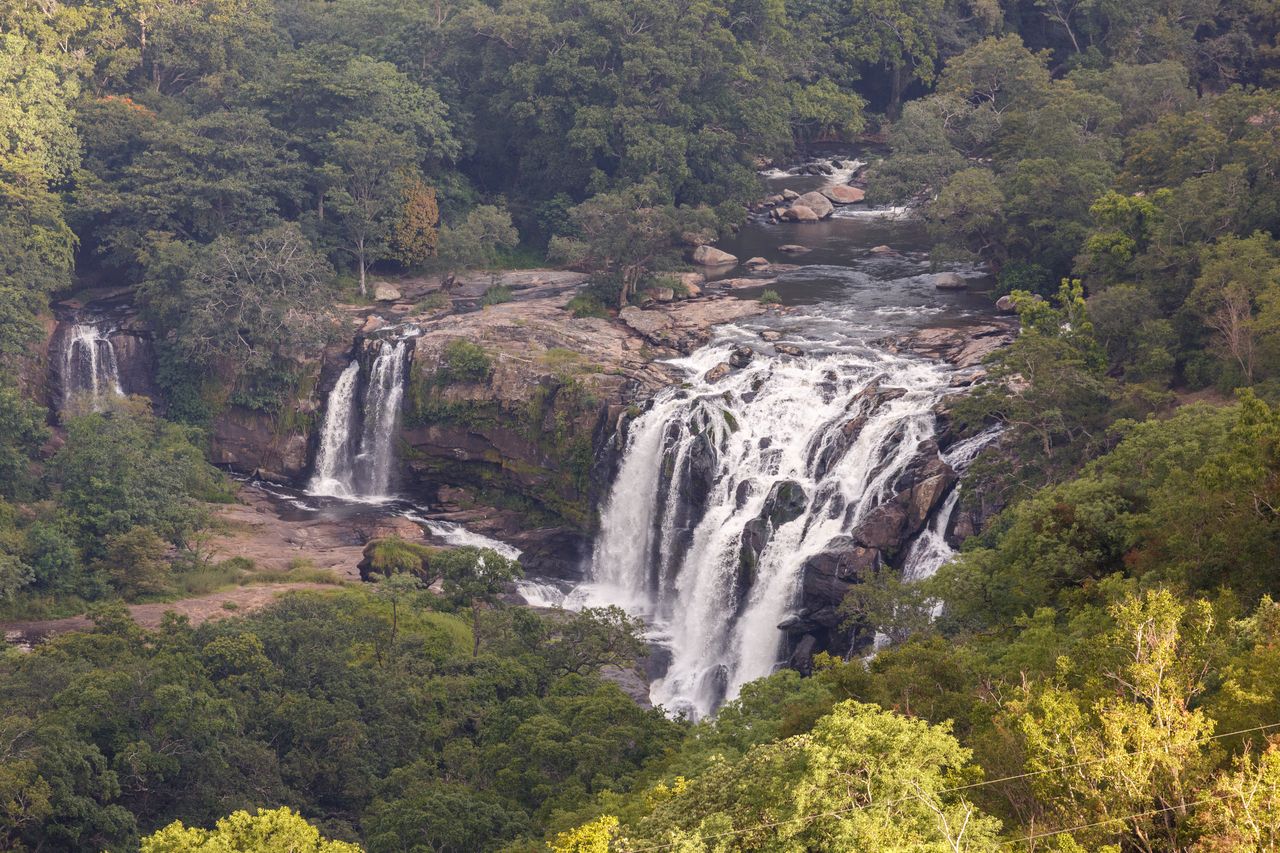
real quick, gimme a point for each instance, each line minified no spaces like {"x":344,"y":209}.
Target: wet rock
{"x":720,"y":371}
{"x":771,"y":335}
{"x":794,"y":249}
{"x":964,"y":347}
{"x":817,"y":202}
{"x":882,"y":250}
{"x":844,"y":194}
{"x":800,"y":213}
{"x":788,"y":349}
{"x":950,"y":281}
{"x":1006,"y":305}
{"x":790,"y":195}
{"x":712,"y":257}
{"x":372,"y":324}
{"x":756,"y":263}
{"x":741,"y":356}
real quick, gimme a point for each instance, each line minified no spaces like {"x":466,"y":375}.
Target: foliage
{"x":274,"y":831}
{"x":464,"y":361}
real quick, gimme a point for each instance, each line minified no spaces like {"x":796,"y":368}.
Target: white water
{"x":931,"y":551}
{"x":360,"y":468}
{"x":675,"y":560}
{"x":89,"y":367}
{"x":333,"y":469}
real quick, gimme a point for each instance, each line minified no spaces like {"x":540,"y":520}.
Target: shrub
{"x":770,"y":297}
{"x":464,"y":361}
{"x":496,"y":295}
{"x":586,"y":304}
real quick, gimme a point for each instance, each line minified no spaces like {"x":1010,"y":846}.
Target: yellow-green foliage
{"x":269,"y":831}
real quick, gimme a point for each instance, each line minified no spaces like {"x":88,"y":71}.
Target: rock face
{"x":709,"y":256}
{"x":251,"y":442}
{"x":817,"y":202}
{"x":879,"y":541}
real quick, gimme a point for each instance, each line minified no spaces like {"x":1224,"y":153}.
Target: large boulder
{"x":844,"y":195}
{"x":818,"y":203}
{"x":800,"y":213}
{"x":950,"y":281}
{"x":710,"y":256}
{"x":385,"y":292}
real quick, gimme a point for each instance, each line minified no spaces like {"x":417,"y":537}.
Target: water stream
{"x":90,"y":371}
{"x":355,"y":458}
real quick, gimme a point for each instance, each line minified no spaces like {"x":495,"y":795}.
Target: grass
{"x":496,"y":295}
{"x":770,"y":297}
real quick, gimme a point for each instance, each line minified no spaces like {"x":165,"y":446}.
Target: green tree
{"x":269,"y":831}
{"x":478,"y":239}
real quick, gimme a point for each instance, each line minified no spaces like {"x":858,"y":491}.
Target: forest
{"x":1097,"y":669}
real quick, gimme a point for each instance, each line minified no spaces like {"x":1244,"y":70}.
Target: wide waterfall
{"x":89,"y":368}
{"x":730,"y":482}
{"x":356,"y":454}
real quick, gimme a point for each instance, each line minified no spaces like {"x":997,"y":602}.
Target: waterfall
{"x":727,"y":487}
{"x":334,"y":474}
{"x":89,"y":368}
{"x":356,"y":455}
{"x":931,"y":551}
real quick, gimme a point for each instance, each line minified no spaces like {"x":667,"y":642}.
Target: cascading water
{"x":727,"y":487}
{"x":89,"y":367}
{"x":931,"y":551}
{"x":356,"y":455}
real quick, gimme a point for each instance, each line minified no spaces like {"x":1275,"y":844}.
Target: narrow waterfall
{"x":89,"y":368}
{"x":727,"y":487}
{"x":356,"y":454}
{"x":333,"y":471}
{"x":930,"y":551}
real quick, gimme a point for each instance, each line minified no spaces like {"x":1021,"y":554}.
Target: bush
{"x":586,"y":305}
{"x":464,"y":361}
{"x":770,"y":297}
{"x":496,"y":295}
{"x":434,"y":301}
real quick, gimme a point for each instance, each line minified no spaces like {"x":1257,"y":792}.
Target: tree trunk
{"x":360,"y":263}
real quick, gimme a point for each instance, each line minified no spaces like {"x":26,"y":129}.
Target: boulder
{"x":790,"y":195}
{"x":741,"y":356}
{"x":712,"y":257}
{"x":720,"y":371}
{"x":756,"y":263}
{"x":372,"y":324}
{"x":771,"y":335}
{"x":818,"y":203}
{"x":881,"y":250}
{"x":793,"y":249}
{"x":664,"y":294}
{"x":774,"y":200}
{"x":385,"y":292}
{"x":692,"y":282}
{"x":950,"y":281}
{"x":647,"y":323}
{"x":800,"y":213}
{"x":788,"y":349}
{"x":844,"y":194}
{"x":1005,"y":305}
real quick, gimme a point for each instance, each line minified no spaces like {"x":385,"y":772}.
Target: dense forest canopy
{"x":244,"y":165}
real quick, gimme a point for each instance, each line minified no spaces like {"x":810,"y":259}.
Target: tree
{"x":126,"y":469}
{"x":478,"y":240}
{"x":800,"y":793}
{"x":473,"y":577}
{"x":369,"y":170}
{"x":624,"y":234}
{"x":416,"y":234}
{"x":242,"y":302}
{"x":269,"y":831}
{"x":596,"y":637}
{"x":1236,"y":277}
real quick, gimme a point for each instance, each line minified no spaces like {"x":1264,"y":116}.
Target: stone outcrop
{"x":965,"y":346}
{"x":950,"y":281}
